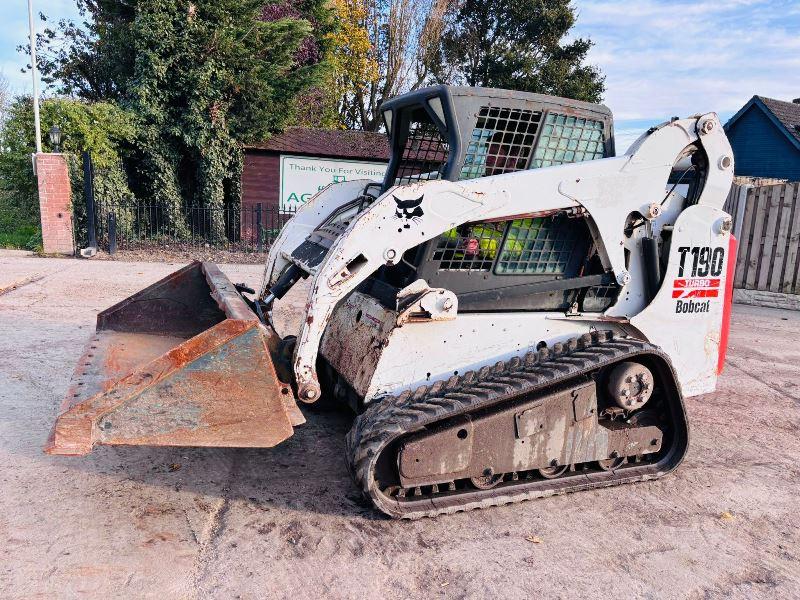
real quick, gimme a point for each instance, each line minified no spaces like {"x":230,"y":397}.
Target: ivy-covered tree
{"x":207,"y":77}
{"x":519,"y":45}
{"x":200,"y":78}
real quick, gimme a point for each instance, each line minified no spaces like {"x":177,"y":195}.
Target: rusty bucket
{"x":184,"y":362}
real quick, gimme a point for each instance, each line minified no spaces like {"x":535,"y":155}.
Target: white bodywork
{"x":414,"y":352}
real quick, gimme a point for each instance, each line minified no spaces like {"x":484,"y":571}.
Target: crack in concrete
{"x":21,"y":284}
{"x":35,"y":278}
{"x":214,"y":527}
{"x":773,"y":387}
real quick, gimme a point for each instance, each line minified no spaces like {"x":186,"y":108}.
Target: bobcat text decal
{"x":698,"y":277}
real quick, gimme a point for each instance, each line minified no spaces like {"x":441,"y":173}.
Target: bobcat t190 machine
{"x":513,"y":313}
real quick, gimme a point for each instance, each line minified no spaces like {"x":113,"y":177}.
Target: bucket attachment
{"x":184,"y":362}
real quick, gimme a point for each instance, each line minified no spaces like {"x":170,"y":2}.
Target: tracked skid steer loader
{"x":514,"y":312}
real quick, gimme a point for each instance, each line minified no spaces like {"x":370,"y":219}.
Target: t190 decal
{"x":705,"y":261}
{"x":698,"y":277}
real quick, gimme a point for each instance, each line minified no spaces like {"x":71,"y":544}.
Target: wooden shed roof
{"x":362,"y":145}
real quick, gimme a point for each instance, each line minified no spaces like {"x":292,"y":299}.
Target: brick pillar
{"x":55,"y":203}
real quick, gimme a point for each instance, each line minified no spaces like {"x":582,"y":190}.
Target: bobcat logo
{"x":408,"y":210}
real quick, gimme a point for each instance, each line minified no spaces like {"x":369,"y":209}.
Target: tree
{"x":90,"y":59}
{"x":517,"y":44}
{"x":4,"y":97}
{"x":403,"y":39}
{"x":100,"y":127}
{"x":351,"y":66}
{"x":200,"y":78}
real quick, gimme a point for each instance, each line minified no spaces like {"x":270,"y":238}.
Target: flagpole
{"x":35,"y":73}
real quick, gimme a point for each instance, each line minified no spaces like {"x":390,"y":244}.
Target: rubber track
{"x":395,"y":416}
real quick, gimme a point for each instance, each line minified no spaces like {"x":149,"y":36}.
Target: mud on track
{"x":288,"y":523}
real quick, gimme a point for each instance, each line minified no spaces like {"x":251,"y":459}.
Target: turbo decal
{"x":696,"y":288}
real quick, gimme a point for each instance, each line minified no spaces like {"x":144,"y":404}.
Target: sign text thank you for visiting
{"x":303,"y":176}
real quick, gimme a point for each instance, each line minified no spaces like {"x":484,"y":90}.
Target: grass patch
{"x":19,"y":228}
{"x":25,"y":237}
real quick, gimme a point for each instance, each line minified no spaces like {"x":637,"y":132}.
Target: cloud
{"x":623,"y":138}
{"x":679,"y":58}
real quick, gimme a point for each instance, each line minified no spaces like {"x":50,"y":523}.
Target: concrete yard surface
{"x":141,"y":522}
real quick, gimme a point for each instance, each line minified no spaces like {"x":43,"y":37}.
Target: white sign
{"x":303,"y":176}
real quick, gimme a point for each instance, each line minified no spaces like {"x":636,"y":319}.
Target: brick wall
{"x":55,"y":203}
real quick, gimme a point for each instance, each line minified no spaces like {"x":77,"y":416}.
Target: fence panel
{"x":781,"y":239}
{"x":769,"y":240}
{"x":745,"y":238}
{"x":757,"y":242}
{"x":792,"y":266}
{"x":773,"y":211}
{"x":731,"y":205}
{"x":139,"y":226}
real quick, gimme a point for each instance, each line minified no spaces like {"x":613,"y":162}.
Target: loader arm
{"x":308,"y":217}
{"x":609,"y":189}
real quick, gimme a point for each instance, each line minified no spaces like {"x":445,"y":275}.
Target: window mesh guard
{"x":501,"y":142}
{"x":567,"y":139}
{"x":424,"y":155}
{"x":541,"y":246}
{"x":469,"y":248}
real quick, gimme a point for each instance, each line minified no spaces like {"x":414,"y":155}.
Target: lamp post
{"x":34,"y":72}
{"x":55,"y":138}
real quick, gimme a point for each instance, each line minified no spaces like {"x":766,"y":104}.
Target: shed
{"x":765,"y":136}
{"x":283,"y":172}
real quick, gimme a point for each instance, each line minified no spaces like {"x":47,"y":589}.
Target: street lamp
{"x":55,"y":138}
{"x":35,"y":75}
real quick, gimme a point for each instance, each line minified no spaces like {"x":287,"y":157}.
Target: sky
{"x":678,"y":58}
{"x":661,"y":58}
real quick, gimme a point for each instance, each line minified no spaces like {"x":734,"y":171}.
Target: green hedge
{"x":102,"y":128}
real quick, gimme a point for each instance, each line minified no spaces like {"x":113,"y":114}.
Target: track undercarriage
{"x":533,"y":426}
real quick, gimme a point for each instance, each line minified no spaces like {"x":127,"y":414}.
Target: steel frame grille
{"x":424,"y":155}
{"x":541,"y":246}
{"x":501,"y":142}
{"x":469,"y":247}
{"x":567,"y":139}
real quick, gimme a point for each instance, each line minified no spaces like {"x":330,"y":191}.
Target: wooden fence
{"x":767,"y":224}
